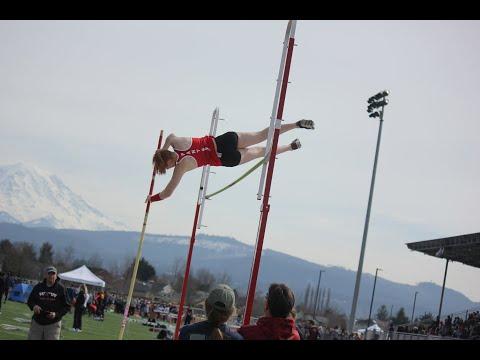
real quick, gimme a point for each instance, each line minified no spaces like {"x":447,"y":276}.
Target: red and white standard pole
{"x":280,"y":97}
{"x":139,"y":252}
{"x":198,"y":212}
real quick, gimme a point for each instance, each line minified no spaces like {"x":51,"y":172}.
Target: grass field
{"x":15,"y":323}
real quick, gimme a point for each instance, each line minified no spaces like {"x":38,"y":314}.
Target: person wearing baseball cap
{"x":219,"y":307}
{"x":48,"y":301}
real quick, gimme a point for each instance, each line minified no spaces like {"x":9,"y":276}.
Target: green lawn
{"x":15,"y":323}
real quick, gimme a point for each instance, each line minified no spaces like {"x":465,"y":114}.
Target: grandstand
{"x":466,"y":250}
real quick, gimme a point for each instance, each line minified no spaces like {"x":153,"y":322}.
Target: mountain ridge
{"x":227,"y":255}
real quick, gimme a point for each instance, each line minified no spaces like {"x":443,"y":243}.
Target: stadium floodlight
{"x":376,"y":105}
{"x":378,"y":96}
{"x":373,"y":104}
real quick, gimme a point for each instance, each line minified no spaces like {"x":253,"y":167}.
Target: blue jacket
{"x":202,"y":331}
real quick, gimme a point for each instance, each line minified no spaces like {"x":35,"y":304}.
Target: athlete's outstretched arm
{"x":168,"y":141}
{"x":169,"y":189}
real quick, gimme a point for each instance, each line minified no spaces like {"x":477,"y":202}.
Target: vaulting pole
{"x":139,"y":253}
{"x":288,"y":49}
{"x":198,"y":215}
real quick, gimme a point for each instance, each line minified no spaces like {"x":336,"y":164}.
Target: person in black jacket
{"x":2,"y":289}
{"x":80,"y":306}
{"x":48,"y":301}
{"x":9,"y":283}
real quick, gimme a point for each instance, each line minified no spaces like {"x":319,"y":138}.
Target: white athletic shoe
{"x":295,"y":144}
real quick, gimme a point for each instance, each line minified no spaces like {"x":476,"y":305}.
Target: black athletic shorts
{"x":227,"y":146}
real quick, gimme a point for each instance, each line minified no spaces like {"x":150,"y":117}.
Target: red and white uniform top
{"x":202,"y":150}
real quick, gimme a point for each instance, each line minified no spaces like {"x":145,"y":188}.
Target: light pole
{"x":374,"y":103}
{"x":371,"y":302}
{"x":316,"y":295}
{"x":414,"y":301}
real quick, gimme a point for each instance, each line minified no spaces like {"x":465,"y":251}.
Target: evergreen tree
{"x":8,"y":256}
{"x":427,"y":317}
{"x":46,"y":254}
{"x":401,"y":318}
{"x":145,"y":270}
{"x":382,"y":313}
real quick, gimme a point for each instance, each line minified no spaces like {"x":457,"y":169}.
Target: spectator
{"x":391,"y":329}
{"x":49,"y":304}
{"x":188,"y":317}
{"x":277,"y":323}
{"x":312,"y":333}
{"x":80,"y":306}
{"x":164,"y":333}
{"x":239,"y":319}
{"x":9,"y":282}
{"x":219,"y":307}
{"x":301,"y":333}
{"x":100,"y":303}
{"x":2,"y":289}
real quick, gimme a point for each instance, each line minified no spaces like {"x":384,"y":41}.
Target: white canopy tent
{"x":82,"y":275}
{"x":372,"y":328}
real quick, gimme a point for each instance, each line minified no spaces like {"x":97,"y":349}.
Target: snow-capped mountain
{"x":33,"y":197}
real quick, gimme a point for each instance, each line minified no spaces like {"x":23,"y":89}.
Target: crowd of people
{"x":454,"y":327}
{"x":50,"y":301}
{"x":310,"y":331}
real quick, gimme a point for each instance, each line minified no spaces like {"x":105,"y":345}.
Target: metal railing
{"x":409,"y":336}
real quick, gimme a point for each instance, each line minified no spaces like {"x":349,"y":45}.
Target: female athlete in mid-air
{"x":230,"y":149}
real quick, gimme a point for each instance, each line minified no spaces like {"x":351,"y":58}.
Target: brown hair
{"x":160,"y":159}
{"x":280,"y":300}
{"x":216,"y":318}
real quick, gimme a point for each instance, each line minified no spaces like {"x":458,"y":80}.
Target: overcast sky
{"x":86,"y":100}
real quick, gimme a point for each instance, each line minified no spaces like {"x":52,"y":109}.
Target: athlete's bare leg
{"x":246,"y":139}
{"x":255,"y":152}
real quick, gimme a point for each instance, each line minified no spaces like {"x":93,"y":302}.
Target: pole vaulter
{"x":274,"y":133}
{"x":197,"y":224}
{"x":139,"y":252}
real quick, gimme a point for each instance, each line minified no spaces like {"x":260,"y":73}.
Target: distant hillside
{"x":224,"y":254}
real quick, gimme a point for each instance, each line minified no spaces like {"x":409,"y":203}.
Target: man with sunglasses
{"x":48,"y":301}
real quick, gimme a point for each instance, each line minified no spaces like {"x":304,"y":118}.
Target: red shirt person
{"x":277,"y":323}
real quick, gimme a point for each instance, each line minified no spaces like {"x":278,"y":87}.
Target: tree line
{"x":23,"y":260}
